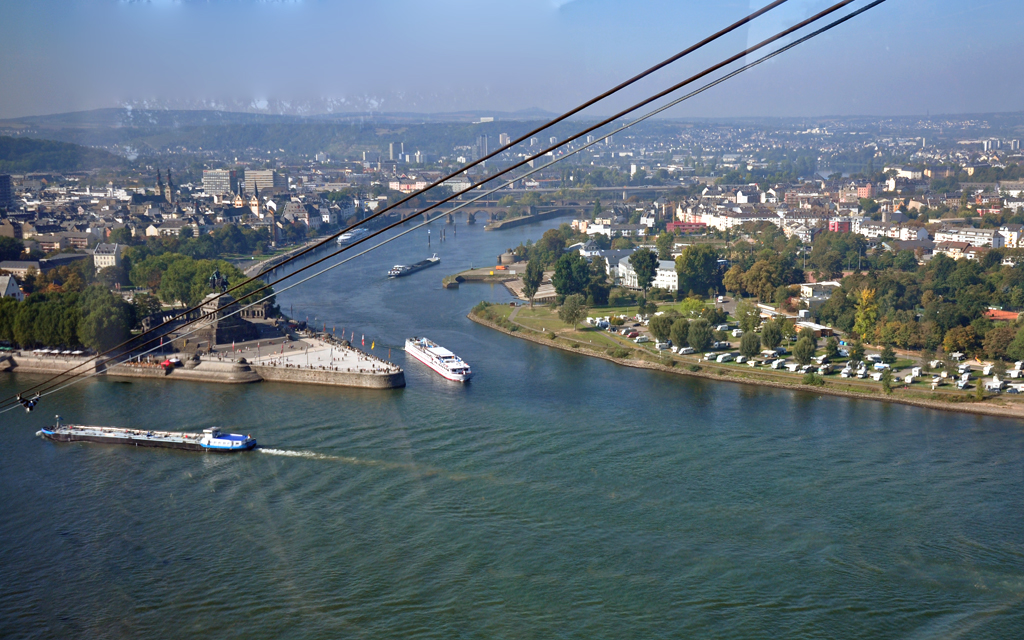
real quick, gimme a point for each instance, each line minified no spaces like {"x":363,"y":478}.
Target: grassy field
{"x":600,"y":312}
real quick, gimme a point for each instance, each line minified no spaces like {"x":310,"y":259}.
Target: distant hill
{"x":23,"y":155}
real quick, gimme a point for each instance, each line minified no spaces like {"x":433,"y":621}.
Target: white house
{"x":107,"y":255}
{"x":9,"y":288}
{"x":970,"y":235}
{"x":665,"y":277}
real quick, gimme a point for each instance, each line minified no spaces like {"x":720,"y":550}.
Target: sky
{"x":905,"y":57}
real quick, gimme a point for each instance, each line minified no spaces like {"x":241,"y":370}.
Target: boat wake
{"x":312,"y":455}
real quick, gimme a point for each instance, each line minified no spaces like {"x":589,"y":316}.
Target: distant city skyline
{"x":905,"y":57}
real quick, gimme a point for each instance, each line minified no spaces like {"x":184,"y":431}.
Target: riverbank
{"x":712,"y":371}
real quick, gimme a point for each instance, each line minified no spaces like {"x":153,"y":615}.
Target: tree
{"x":733,"y":279}
{"x":664,"y":244}
{"x":888,"y":354}
{"x":887,"y":381}
{"x":804,"y":350}
{"x":661,"y":327}
{"x":573,"y":310}
{"x":1016,"y":348}
{"x":680,"y":332}
{"x":10,"y":248}
{"x":960,"y":339}
{"x":532,"y":278}
{"x":748,"y":315}
{"x":598,"y":289}
{"x":998,"y":340}
{"x":698,"y":269}
{"x":808,"y":333}
{"x":771,"y":334}
{"x":750,"y":344}
{"x":832,"y":348}
{"x":857,"y":351}
{"x":867,"y":312}
{"x":699,"y":336}
{"x":106,"y":319}
{"x":572,"y":274}
{"x":645,"y":265}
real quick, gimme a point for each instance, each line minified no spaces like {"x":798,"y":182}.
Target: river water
{"x":555,"y":496}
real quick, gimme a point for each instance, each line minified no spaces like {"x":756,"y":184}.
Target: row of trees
{"x":92,"y":318}
{"x":178,"y":278}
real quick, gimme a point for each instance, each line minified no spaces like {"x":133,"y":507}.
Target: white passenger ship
{"x":439,"y":359}
{"x":351,"y":236}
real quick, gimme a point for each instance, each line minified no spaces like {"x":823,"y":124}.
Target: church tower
{"x":254,"y":203}
{"x":239,"y":203}
{"x":159,"y":184}
{"x":169,"y":189}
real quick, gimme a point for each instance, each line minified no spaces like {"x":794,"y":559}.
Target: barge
{"x":400,"y":270}
{"x":212,"y":439}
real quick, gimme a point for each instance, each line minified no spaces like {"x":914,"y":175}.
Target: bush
{"x":617,"y":322}
{"x":814,"y":380}
{"x":694,"y":367}
{"x":574,"y":345}
{"x":481,"y":307}
{"x":552,"y":335}
{"x":618,"y":353}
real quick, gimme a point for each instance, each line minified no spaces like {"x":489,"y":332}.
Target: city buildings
{"x":220,"y":181}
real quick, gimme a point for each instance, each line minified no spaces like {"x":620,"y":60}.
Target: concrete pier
{"x":315,"y":361}
{"x":322,"y":362}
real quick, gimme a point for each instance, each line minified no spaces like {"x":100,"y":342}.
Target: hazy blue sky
{"x":904,"y":57}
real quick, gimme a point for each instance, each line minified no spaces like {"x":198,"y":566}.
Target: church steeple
{"x":254,"y":202}
{"x":159,"y":183}
{"x":169,"y":190}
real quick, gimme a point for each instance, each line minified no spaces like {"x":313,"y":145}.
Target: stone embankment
{"x":222,"y":371}
{"x":369,"y":380}
{"x":203,"y":371}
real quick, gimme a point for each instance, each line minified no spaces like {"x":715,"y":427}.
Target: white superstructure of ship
{"x":353,"y":235}
{"x":441,"y":360}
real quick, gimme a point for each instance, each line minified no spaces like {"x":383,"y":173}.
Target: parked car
{"x":880,"y":366}
{"x":737,"y":333}
{"x":722,"y":327}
